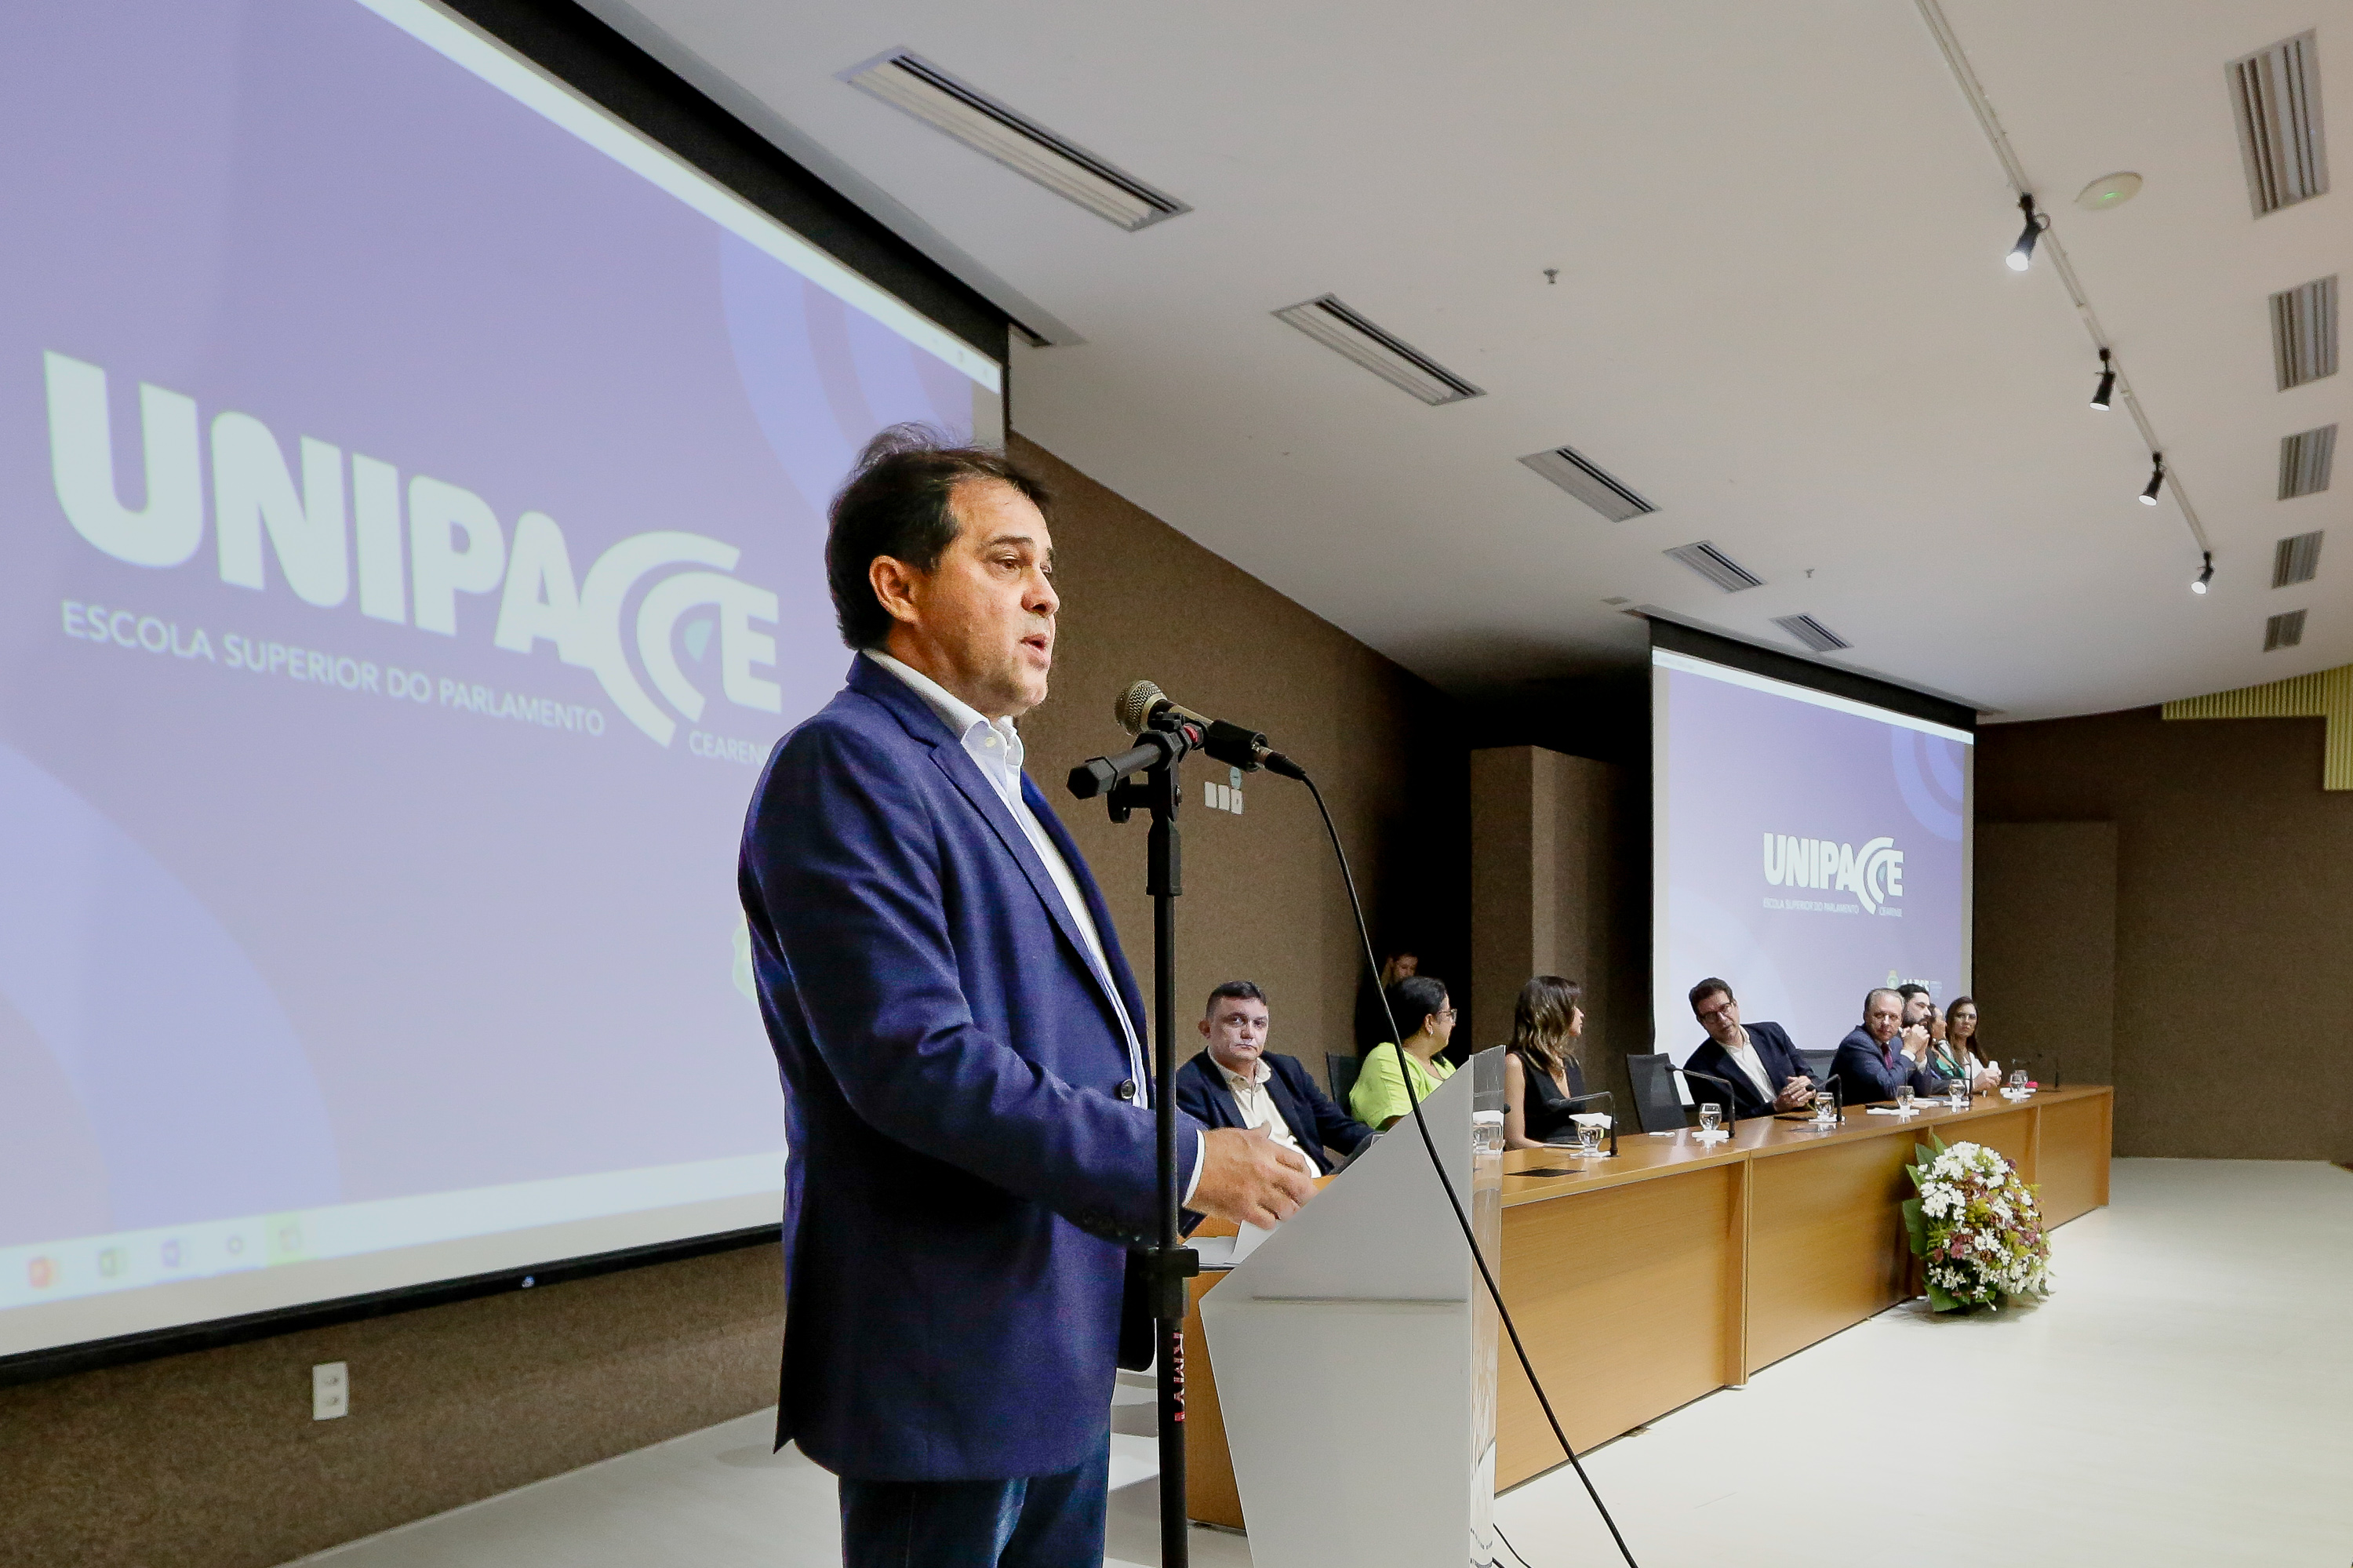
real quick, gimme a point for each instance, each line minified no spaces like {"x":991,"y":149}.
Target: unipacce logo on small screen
{"x":330,"y":538}
{"x":1873,"y":873}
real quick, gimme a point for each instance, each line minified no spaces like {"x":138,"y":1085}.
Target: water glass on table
{"x":1903,"y":1099}
{"x":1709,"y":1116}
{"x":1589,"y":1139}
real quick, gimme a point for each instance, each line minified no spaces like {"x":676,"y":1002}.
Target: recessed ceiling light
{"x":2107,"y":191}
{"x":913,"y":84}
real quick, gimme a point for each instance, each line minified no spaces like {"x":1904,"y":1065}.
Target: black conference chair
{"x":1656,"y":1103}
{"x":1341,"y":1072}
{"x":1818,"y":1064}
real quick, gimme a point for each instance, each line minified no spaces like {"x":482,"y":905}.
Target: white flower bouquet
{"x":1975,"y":1228}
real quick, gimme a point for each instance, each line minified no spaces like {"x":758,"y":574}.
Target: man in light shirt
{"x":1756,"y":1059}
{"x":1237,"y":1082}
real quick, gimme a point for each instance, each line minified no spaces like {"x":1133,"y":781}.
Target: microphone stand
{"x":1731,"y":1100}
{"x":1157,"y":756}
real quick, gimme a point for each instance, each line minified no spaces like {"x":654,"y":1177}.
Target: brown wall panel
{"x":213,"y":1460}
{"x":2234,"y":935}
{"x":2046,"y":948}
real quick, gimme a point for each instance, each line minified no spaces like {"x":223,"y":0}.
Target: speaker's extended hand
{"x":1249,"y":1178}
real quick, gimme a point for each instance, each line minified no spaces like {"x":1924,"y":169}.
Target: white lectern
{"x":1355,"y":1354}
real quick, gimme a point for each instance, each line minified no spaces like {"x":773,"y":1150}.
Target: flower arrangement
{"x":1975,"y":1228}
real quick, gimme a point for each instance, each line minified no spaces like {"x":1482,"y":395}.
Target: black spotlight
{"x":2156,"y":479}
{"x":2022,"y":255}
{"x":2106,"y":393}
{"x":2205,"y":575}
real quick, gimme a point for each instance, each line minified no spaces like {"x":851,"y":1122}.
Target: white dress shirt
{"x":995,"y":747}
{"x":1744,"y":1055}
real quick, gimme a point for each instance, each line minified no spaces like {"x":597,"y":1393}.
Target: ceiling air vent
{"x":2284,"y":631}
{"x":2276,"y":93}
{"x":2303,"y":332}
{"x":1395,"y":361}
{"x":1587,"y":483}
{"x":1812,"y":632}
{"x":1715,"y":565}
{"x":908,"y":82}
{"x":2305,"y":459}
{"x":2295,"y":560}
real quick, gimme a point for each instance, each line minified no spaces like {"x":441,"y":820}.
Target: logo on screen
{"x":351,"y":528}
{"x":1874,"y":874}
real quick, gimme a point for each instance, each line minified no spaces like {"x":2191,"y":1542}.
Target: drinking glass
{"x":1709,"y":1116}
{"x":1956,"y":1094}
{"x":1588,"y":1139}
{"x":1825,"y":1110}
{"x":2018,"y":1080}
{"x":1904,"y":1098}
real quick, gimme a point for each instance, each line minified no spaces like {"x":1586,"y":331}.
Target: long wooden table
{"x":1640,"y":1283}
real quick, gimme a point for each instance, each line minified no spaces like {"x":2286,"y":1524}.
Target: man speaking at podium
{"x":966,"y":1097}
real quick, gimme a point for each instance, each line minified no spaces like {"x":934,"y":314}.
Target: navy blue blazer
{"x":1202,"y":1094}
{"x":1774,"y":1052}
{"x":1867,"y":1070}
{"x":964,"y":1177}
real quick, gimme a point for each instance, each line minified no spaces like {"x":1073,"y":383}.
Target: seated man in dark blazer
{"x":1237,"y":1083}
{"x":1876,"y":1059}
{"x":1756,"y":1059}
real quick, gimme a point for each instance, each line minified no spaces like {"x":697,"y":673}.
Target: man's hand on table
{"x":1249,"y":1178}
{"x":1797,"y":1091}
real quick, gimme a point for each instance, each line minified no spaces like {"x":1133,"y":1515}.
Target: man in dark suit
{"x":1237,"y":1082}
{"x":1756,"y":1059}
{"x":970,"y":1151}
{"x":1874,"y":1060}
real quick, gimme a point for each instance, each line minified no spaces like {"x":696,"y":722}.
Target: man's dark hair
{"x":895,"y":503}
{"x":1412,"y":999}
{"x":1708,"y":987}
{"x":1911,"y":989}
{"x":1240,"y":990}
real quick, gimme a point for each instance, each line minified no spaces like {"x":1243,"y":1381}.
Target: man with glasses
{"x":1756,"y":1059}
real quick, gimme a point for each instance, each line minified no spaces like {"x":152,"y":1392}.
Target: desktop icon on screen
{"x":41,"y":1273}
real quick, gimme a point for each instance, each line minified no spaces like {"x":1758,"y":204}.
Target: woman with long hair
{"x":1960,"y":1050}
{"x":1541,"y":1074}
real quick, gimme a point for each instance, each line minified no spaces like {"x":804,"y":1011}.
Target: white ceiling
{"x":1781,"y":315}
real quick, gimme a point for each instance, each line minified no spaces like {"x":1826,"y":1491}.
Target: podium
{"x":1355,"y":1353}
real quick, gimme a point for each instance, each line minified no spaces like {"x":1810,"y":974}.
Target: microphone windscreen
{"x":1134,"y":704}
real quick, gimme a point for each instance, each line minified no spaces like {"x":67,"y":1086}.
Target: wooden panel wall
{"x":2234,"y":935}
{"x":1557,"y":887}
{"x":2046,"y":946}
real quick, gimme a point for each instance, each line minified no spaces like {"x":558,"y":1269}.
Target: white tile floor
{"x":2186,"y":1398}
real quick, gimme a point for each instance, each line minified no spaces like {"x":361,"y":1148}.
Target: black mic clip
{"x":1166,"y":737}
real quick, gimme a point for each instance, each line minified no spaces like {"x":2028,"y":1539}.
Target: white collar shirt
{"x":995,"y":747}
{"x":1743,"y":1056}
{"x":1256,"y":1104}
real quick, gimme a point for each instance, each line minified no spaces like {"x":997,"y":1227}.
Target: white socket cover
{"x":331,"y":1390}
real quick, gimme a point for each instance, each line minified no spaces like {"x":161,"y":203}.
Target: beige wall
{"x":2233,"y":933}
{"x":211,"y":1459}
{"x":1558,"y":886}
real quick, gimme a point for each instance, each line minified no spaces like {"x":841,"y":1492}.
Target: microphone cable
{"x":1454,"y":1202}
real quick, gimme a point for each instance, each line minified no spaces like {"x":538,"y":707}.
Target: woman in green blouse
{"x":1424,"y":1011}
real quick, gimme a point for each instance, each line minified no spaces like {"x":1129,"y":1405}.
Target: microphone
{"x":1731,"y":1097}
{"x":1837,"y":1087}
{"x":1230,"y":744}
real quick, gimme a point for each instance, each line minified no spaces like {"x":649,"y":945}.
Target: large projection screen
{"x":414,"y":486}
{"x":1805,"y":847}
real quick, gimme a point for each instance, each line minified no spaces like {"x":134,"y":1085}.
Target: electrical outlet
{"x":331,"y":1390}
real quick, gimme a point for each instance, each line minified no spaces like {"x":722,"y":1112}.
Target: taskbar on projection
{"x":103,"y":1287}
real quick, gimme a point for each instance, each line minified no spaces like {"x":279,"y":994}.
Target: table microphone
{"x":1230,"y":744}
{"x":1731,"y":1097}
